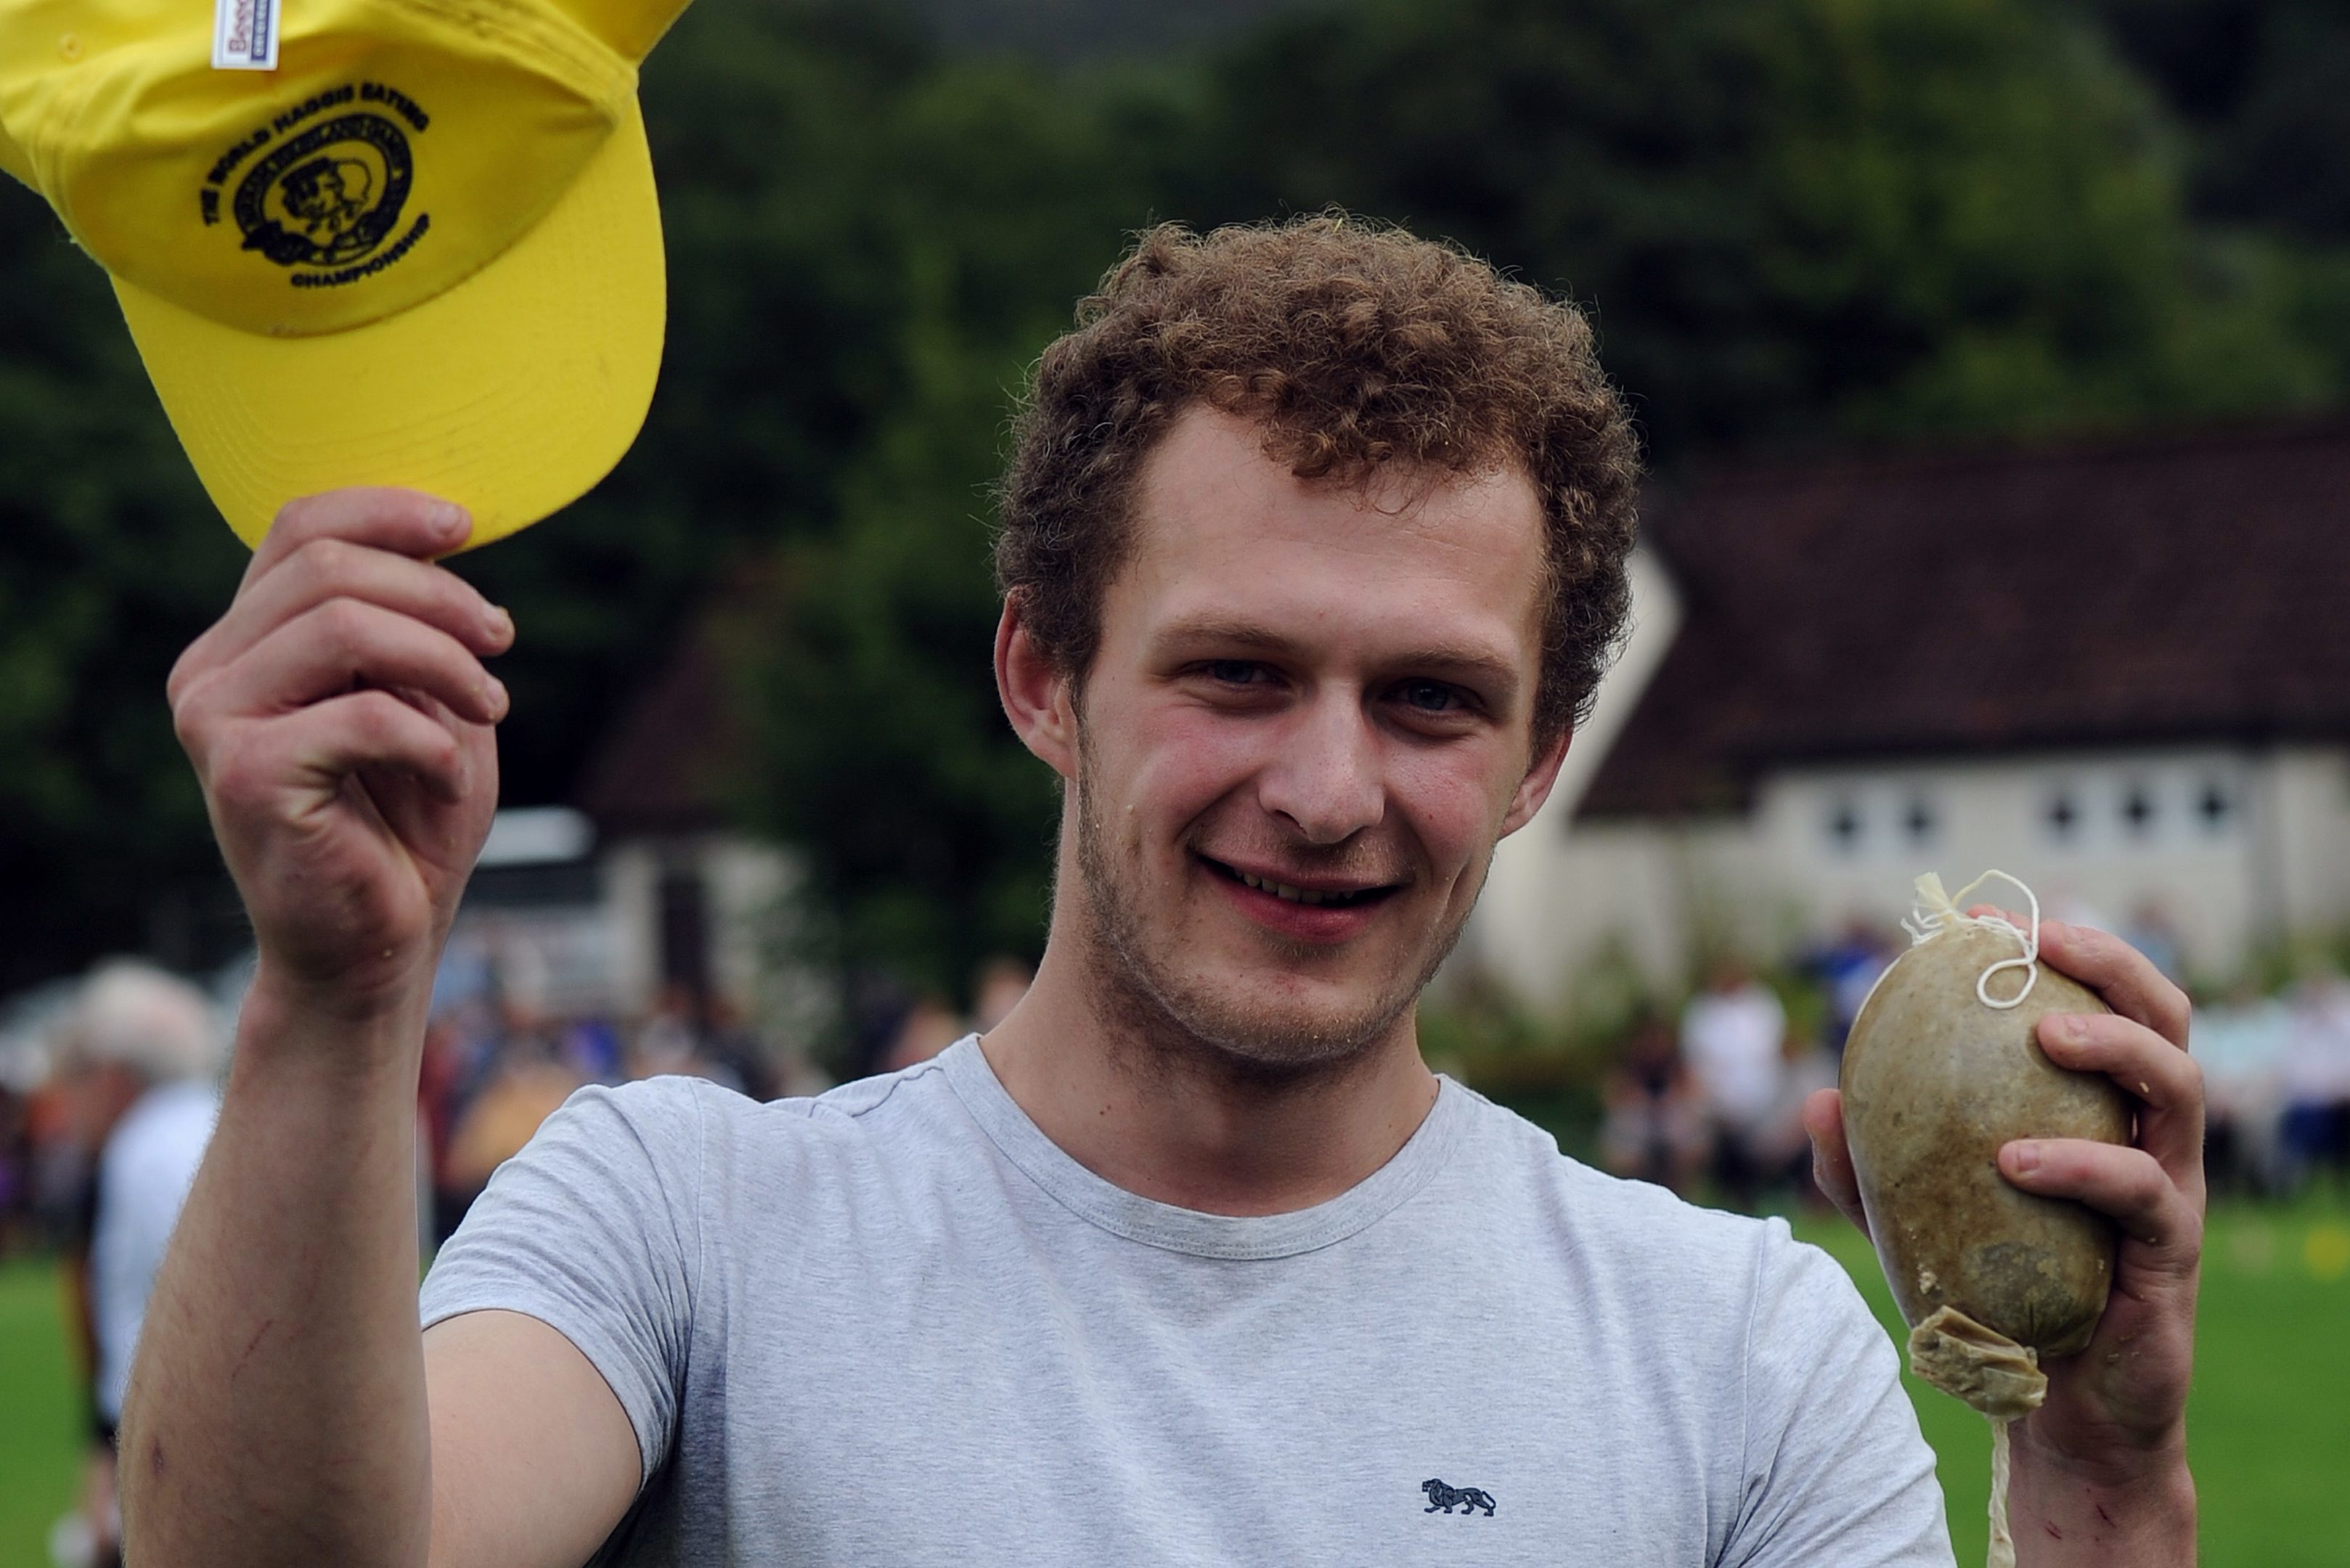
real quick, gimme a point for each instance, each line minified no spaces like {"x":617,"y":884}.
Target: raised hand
{"x":339,"y":719}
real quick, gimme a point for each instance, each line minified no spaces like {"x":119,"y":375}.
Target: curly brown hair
{"x":1354,"y":345}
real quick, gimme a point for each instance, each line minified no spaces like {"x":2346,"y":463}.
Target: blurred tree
{"x":2264,"y":85}
{"x":880,"y":748}
{"x":1794,"y":218}
{"x":102,"y":581}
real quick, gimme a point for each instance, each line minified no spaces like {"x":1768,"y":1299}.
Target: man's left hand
{"x":2101,"y":1467}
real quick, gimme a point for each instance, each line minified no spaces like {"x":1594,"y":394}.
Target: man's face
{"x":1306,"y":724}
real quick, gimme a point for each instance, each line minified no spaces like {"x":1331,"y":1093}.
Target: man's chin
{"x":1284,"y":1027}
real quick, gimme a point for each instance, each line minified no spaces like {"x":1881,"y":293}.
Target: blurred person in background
{"x":1849,"y":968}
{"x":1001,"y":983}
{"x":2316,"y":1073}
{"x":1734,"y":1037}
{"x":1654,"y":1127}
{"x":732,"y":1045}
{"x":527,"y":1083}
{"x":15,"y":1170}
{"x":929,"y":1027}
{"x":1783,"y":1147}
{"x":2243,"y":1041}
{"x":673,"y":1041}
{"x":2153,"y":933}
{"x":151,"y":1040}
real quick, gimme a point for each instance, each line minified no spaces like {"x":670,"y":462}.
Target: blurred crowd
{"x":498,"y":1059}
{"x":1710,"y":1100}
{"x":109,"y":1086}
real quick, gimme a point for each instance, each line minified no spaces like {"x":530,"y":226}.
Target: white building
{"x":2120,"y":670}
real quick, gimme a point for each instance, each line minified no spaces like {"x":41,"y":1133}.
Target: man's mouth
{"x":1326,"y":895}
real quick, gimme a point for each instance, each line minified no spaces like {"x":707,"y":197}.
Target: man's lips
{"x":1317,"y":908}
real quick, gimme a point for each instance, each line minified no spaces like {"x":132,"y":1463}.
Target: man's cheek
{"x":1191,"y":772}
{"x":1454,"y":819}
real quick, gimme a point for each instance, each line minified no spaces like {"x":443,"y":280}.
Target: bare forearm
{"x":2062,"y":1518}
{"x":276,"y":1413}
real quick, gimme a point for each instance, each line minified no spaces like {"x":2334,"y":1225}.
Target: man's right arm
{"x":284,"y":1409}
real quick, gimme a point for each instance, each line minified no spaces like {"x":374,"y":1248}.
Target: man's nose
{"x":1325,"y":778}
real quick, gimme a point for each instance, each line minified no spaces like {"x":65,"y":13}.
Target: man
{"x":1314,"y":546}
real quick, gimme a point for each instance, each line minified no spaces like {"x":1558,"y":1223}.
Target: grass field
{"x":2268,"y":1425}
{"x":40,"y":1431}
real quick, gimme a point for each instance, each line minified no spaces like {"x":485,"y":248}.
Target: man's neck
{"x":1184,"y":1129}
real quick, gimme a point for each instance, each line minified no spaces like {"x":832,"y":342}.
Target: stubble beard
{"x":1173,"y":1025}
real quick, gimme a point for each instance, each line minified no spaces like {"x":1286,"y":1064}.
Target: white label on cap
{"x":244,"y":34}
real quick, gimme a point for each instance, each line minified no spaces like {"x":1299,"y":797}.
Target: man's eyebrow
{"x":1481,"y":664}
{"x":1227,"y":633}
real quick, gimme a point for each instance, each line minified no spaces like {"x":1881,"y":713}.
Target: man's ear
{"x":1037,"y":697}
{"x":1534,"y":788}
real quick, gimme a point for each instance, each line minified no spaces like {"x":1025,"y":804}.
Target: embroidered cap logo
{"x":325,"y":203}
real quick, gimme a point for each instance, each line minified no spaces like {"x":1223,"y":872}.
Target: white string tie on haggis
{"x":1935,"y":911}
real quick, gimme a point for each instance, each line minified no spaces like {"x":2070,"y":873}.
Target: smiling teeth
{"x":1294,"y":895}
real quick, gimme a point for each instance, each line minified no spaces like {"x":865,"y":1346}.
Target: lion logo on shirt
{"x":1466,"y":1499}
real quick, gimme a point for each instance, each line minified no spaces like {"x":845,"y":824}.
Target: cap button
{"x":69,"y":46}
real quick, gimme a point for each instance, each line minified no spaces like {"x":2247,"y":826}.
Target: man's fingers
{"x":327,"y":742}
{"x":1831,"y":1156}
{"x":328,"y":569}
{"x":406,"y":522}
{"x":2127,"y":1183}
{"x":342,"y":644}
{"x":2166,"y":1081}
{"x":2125,"y":977}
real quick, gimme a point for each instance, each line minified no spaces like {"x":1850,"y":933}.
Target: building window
{"x":2063,"y":814}
{"x":1844,"y":826}
{"x":2216,"y":806}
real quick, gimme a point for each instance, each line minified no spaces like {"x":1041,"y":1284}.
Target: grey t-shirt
{"x":898,"y":1325}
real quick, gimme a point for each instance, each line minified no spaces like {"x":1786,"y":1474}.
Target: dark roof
{"x":2189,"y":587}
{"x":660,"y":769}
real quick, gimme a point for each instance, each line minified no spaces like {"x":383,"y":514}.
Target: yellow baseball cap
{"x":362,"y":242}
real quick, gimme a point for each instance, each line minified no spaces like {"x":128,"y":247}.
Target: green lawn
{"x":2269,"y":1424}
{"x":41,"y":1425}
{"x":2268,"y":1427}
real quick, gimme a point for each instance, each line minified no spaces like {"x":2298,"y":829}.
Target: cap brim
{"x":512,"y":393}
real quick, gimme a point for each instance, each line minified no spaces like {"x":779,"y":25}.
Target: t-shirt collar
{"x":1178,"y":1229}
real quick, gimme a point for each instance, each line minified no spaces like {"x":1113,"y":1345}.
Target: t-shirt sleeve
{"x":594,"y":1229}
{"x":1836,"y":1469}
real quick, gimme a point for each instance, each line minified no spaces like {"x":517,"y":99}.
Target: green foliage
{"x":2265,"y":85}
{"x":880,"y":745}
{"x":100,"y":585}
{"x":1794,"y":218}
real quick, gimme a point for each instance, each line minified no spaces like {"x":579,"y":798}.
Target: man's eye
{"x":1231,"y":671}
{"x":1430,"y":696}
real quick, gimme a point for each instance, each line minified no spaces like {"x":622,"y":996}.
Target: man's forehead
{"x":1218,"y":525}
{"x":1207,"y":460}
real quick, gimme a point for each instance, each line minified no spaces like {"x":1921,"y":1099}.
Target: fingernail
{"x":2068,"y":1026}
{"x":2022,"y":1158}
{"x":502,"y":626}
{"x":499,"y":700}
{"x":449,"y":521}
